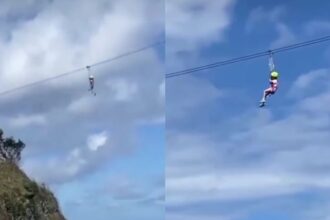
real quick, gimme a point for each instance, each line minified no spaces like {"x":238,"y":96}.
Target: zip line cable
{"x":82,"y":68}
{"x":248,"y":57}
{"x":182,"y":72}
{"x":128,"y":53}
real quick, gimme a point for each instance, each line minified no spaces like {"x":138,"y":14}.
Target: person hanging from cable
{"x":91,"y":81}
{"x":273,"y":81}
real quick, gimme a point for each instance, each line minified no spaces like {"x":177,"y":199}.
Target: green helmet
{"x":274,"y":74}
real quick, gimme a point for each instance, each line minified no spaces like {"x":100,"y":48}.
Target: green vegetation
{"x":20,"y":197}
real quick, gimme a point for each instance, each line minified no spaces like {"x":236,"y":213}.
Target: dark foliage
{"x":10,"y":149}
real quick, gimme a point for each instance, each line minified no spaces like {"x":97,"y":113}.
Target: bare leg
{"x":266,"y":93}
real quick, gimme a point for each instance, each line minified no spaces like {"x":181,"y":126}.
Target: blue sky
{"x":102,"y":156}
{"x":226,"y":158}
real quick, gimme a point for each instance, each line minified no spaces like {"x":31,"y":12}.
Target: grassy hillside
{"x":23,"y":199}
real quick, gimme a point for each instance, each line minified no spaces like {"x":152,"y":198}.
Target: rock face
{"x":23,"y":199}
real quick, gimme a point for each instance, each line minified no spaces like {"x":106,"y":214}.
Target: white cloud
{"x":272,"y":18}
{"x":123,"y":90}
{"x":85,"y":105}
{"x":95,"y":141}
{"x":66,"y":167}
{"x":52,"y":37}
{"x":74,"y":162}
{"x":196,"y":23}
{"x":57,"y":39}
{"x":21,"y":121}
{"x":189,"y":92}
{"x":192,"y":25}
{"x":285,"y":36}
{"x":307,"y":82}
{"x":317,"y":27}
{"x":260,"y":15}
{"x":260,"y":158}
{"x":13,"y":8}
{"x":65,"y":35}
{"x":244,"y":184}
{"x":57,"y":169}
